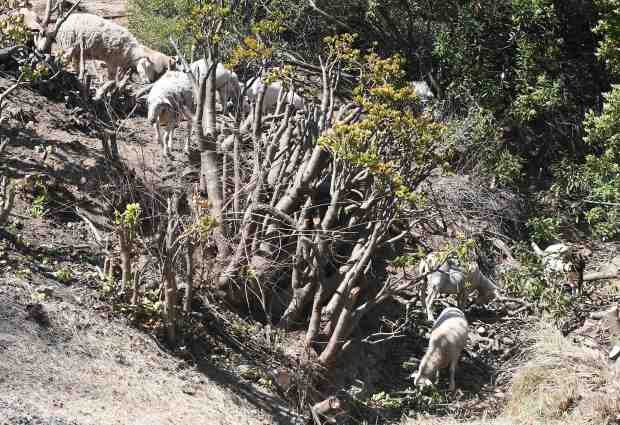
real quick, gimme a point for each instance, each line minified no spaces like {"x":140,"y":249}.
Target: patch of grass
{"x":562,"y":381}
{"x":64,"y":274}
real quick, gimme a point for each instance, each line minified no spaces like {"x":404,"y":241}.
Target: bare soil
{"x":65,"y":357}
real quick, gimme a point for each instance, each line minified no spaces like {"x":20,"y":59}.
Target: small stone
{"x":45,"y":290}
{"x":507,"y":341}
{"x":615,"y":352}
{"x":481,"y":330}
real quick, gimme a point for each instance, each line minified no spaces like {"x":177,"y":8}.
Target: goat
{"x":226,"y":81}
{"x":564,"y":260}
{"x":450,"y":278}
{"x":423,"y":91}
{"x":446,"y":343}
{"x":106,"y":41}
{"x":170,"y":99}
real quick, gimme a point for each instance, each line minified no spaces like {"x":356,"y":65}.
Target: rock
{"x":48,"y":291}
{"x":7,"y":340}
{"x":615,"y":352}
{"x":481,"y":330}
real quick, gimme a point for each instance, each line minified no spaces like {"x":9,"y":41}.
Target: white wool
{"x":170,"y":100}
{"x":272,"y":92}
{"x":111,"y":43}
{"x":226,"y":81}
{"x":446,"y":343}
{"x":450,"y":278}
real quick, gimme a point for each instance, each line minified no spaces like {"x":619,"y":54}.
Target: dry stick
{"x":601,"y":275}
{"x":8,"y":197}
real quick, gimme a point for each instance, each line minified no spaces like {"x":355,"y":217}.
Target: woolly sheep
{"x":272,"y":93}
{"x":226,"y":81}
{"x":111,"y":43}
{"x":450,"y":278}
{"x":446,"y":343}
{"x":171,"y":99}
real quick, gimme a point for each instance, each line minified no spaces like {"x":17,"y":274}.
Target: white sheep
{"x":170,"y":100}
{"x":446,"y":343}
{"x":111,"y":43}
{"x":272,"y":94}
{"x":450,"y":278}
{"x":226,"y":81}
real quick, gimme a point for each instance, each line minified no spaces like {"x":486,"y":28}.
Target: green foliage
{"x":129,"y":219}
{"x":155,"y":21}
{"x":608,"y":27}
{"x":528,"y":282}
{"x":64,"y":274}
{"x":12,"y":29}
{"x":38,"y":206}
{"x":385,"y":400}
{"x":393,"y":141}
{"x":544,"y":228}
{"x":593,"y":187}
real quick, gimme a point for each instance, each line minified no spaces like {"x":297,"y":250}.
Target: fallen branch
{"x":600,"y":276}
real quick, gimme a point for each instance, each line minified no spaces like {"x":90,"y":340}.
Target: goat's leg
{"x":429,"y":303}
{"x":171,"y":127}
{"x":112,"y":69}
{"x":189,"y":135}
{"x":157,"y":128}
{"x":453,"y":364}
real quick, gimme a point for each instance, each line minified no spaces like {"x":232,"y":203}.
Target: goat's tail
{"x":537,"y":249}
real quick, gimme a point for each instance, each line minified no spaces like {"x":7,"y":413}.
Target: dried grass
{"x":86,"y":368}
{"x":560,"y":383}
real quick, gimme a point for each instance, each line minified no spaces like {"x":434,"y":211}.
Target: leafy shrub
{"x":544,"y":229}
{"x":529,"y":282}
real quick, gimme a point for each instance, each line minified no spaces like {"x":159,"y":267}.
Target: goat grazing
{"x":106,"y":41}
{"x":450,"y":278}
{"x":171,"y":98}
{"x":447,"y":341}
{"x":560,"y":259}
{"x":226,"y":81}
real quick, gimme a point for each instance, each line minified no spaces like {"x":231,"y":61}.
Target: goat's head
{"x":421,"y":381}
{"x":146,"y":70}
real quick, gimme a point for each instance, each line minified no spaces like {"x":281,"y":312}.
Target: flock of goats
{"x":171,"y":99}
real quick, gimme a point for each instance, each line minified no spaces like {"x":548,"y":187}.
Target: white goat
{"x":272,"y":94}
{"x":448,"y":338}
{"x":111,"y":43}
{"x":450,"y":278}
{"x":565,"y":261}
{"x":226,"y":81}
{"x":423,"y":91}
{"x":170,"y":100}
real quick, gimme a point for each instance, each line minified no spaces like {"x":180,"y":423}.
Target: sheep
{"x":171,"y":98}
{"x":272,"y":94}
{"x":111,"y":43}
{"x":566,"y":260}
{"x":226,"y":81}
{"x":450,"y":278}
{"x":446,"y":343}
